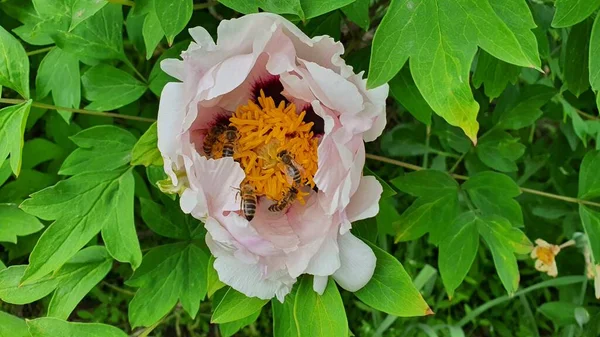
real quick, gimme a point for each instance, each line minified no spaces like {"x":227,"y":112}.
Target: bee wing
{"x":289,"y":175}
{"x":299,"y":167}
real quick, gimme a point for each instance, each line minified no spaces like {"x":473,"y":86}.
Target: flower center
{"x":274,"y":146}
{"x":545,"y":255}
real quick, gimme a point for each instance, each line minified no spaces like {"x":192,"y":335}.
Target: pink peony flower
{"x":270,"y":111}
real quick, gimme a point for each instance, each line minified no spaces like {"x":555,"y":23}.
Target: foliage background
{"x":519,"y":78}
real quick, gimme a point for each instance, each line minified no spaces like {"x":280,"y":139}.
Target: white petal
{"x":365,"y":201}
{"x":171,"y":112}
{"x":333,"y":90}
{"x":202,"y":37}
{"x":249,"y":279}
{"x":320,"y":283}
{"x":327,"y":259}
{"x":358,"y":263}
{"x":174,"y":68}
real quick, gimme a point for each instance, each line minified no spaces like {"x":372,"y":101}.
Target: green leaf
{"x":234,"y":306}
{"x":145,"y":151}
{"x":81,"y":10}
{"x":14,"y":64}
{"x":52,"y":327}
{"x":86,"y":269}
{"x":152,"y":33}
{"x":499,"y":150}
{"x":80,"y":206}
{"x":119,"y":232}
{"x":29,"y":182}
{"x":576,"y":72}
{"x":36,"y":30}
{"x":173,"y":16}
{"x":168,"y":273}
{"x":561,"y":313}
{"x":59,"y":73}
{"x":436,"y":206}
{"x":214,"y":284}
{"x":12,"y":292}
{"x":170,"y":222}
{"x":391,"y":289}
{"x":427,"y":214}
{"x":284,"y":322}
{"x":314,"y":8}
{"x":319,"y":315}
{"x":101,"y":148}
{"x":229,"y":329}
{"x":492,"y":193}
{"x":594,"y":58}
{"x":11,"y":326}
{"x":273,"y":6}
{"x":40,"y":150}
{"x":328,"y":24}
{"x":405,"y":91}
{"x":358,"y":12}
{"x":458,"y":250}
{"x":98,"y":38}
{"x":494,"y":74}
{"x":12,"y":127}
{"x":110,"y":88}
{"x":527,"y":109}
{"x":440,"y":64}
{"x":589,"y":180}
{"x":580,"y":127}
{"x":426,"y":183}
{"x":14,"y":222}
{"x":504,"y":240}
{"x":570,"y":12}
{"x":158,"y":78}
{"x":591,"y":223}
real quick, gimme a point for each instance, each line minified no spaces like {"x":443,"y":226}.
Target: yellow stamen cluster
{"x":264,"y":130}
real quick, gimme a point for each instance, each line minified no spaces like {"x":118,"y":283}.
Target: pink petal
{"x":365,"y":201}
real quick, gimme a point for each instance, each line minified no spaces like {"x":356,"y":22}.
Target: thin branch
{"x":80,"y":111}
{"x":205,"y":5}
{"x":588,"y":116}
{"x":461,"y":177}
{"x":121,"y":290}
{"x":40,"y":51}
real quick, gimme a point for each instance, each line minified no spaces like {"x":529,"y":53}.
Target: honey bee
{"x":248,"y":201}
{"x":287,"y":200}
{"x":211,"y":138}
{"x":230,"y":138}
{"x":292,"y":168}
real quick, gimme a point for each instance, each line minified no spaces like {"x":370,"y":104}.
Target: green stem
{"x":79,"y":111}
{"x":440,"y":153}
{"x":561,"y":281}
{"x":427,"y":138}
{"x":460,"y":159}
{"x":130,"y":65}
{"x":121,"y":290}
{"x":40,"y":51}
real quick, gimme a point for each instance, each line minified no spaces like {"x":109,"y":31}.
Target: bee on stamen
{"x":248,"y":201}
{"x":287,"y":200}
{"x":211,"y":138}
{"x":292,"y":168}
{"x":231,"y":136}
